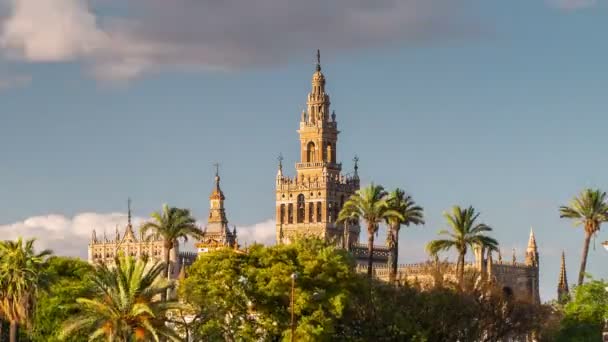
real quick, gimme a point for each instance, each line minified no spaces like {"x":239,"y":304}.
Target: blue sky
{"x":500,"y":105}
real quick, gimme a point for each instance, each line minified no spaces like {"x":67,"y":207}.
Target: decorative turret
{"x":514,"y":258}
{"x":94,"y":237}
{"x":216,"y":233}
{"x":532,"y":251}
{"x":217,"y":214}
{"x":563,"y":293}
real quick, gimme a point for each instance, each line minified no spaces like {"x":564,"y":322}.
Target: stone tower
{"x":563,"y":293}
{"x":533,"y":262}
{"x":309,"y":203}
{"x":216,"y":233}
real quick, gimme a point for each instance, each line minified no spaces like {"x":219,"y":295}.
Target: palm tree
{"x":590,"y":210}
{"x":371,"y":205}
{"x":465,"y":233}
{"x":171,"y":224}
{"x":124,"y":305}
{"x":20,"y":279}
{"x":402,"y":203}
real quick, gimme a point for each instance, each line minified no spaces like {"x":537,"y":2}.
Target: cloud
{"x":69,"y":236}
{"x":572,"y":4}
{"x":14,"y":81}
{"x":152,"y":35}
{"x":263,"y":232}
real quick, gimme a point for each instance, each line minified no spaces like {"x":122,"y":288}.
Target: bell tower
{"x":309,"y":203}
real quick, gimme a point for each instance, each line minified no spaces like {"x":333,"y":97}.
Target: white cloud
{"x":153,"y":35}
{"x":263,"y":232}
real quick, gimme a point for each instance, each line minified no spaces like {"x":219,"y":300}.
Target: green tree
{"x":590,"y":210}
{"x":246,"y":296}
{"x":371,"y":205}
{"x":584,"y":315}
{"x":411,"y":213}
{"x":170,"y":225}
{"x":20,"y":281}
{"x":68,"y":279}
{"x":123,"y":304}
{"x":465,"y":232}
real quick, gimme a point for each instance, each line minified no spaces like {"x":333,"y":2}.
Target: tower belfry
{"x":309,"y":202}
{"x":216,"y":233}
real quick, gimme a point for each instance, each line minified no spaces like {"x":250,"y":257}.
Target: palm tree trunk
{"x":394,"y":254}
{"x":460,"y":269}
{"x":13,"y":332}
{"x":370,"y":254}
{"x":167,"y":251}
{"x":581,"y":274}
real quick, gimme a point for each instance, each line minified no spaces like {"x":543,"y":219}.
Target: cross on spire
{"x":129,"y":211}
{"x":217,"y":169}
{"x":280,"y":159}
{"x":318,"y":60}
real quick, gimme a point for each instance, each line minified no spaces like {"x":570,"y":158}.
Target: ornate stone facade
{"x":519,"y":279}
{"x":308,"y":203}
{"x":104,"y":250}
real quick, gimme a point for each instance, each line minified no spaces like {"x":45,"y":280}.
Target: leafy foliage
{"x":371,"y":205}
{"x":247,"y":296}
{"x":20,"y":281}
{"x":124,"y":305}
{"x":68,"y":279}
{"x":411,"y":213}
{"x":465,"y":233}
{"x":171,"y":224}
{"x":590,"y":210}
{"x":584,"y":316}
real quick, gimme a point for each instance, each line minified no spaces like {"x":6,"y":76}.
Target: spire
{"x":356,"y":160}
{"x":318,"y":68}
{"x":129,"y":211}
{"x":532,"y":251}
{"x":562,"y":285}
{"x":280,"y":171}
{"x":94,"y":236}
{"x":129,"y":235}
{"x":217,"y":193}
{"x":532,"y":241}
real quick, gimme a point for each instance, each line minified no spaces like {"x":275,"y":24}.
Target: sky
{"x":500,"y":105}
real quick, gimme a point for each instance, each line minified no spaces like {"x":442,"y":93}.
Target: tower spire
{"x":318,"y":60}
{"x":532,"y":250}
{"x":562,"y":285}
{"x":129,"y":211}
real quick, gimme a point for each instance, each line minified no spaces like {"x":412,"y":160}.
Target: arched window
{"x":330,"y":157}
{"x":290,"y":213}
{"x":311,"y":212}
{"x":310,"y":152}
{"x":301,"y":208}
{"x":341,"y":202}
{"x":282,"y":213}
{"x":319,"y":212}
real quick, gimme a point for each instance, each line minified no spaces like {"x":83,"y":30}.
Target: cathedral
{"x":308,"y":203}
{"x":216,"y":234}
